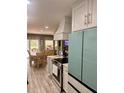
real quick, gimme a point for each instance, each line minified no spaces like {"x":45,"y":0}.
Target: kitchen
{"x":72,"y":27}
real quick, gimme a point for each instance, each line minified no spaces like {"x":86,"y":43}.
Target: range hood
{"x":64,"y":29}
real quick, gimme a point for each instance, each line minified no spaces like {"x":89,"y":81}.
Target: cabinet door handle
{"x":89,"y":18}
{"x":85,"y":19}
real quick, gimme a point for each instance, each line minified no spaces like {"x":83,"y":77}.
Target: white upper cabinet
{"x":92,"y":13}
{"x":84,"y":15}
{"x":78,"y":16}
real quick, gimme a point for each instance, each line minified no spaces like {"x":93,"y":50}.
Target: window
{"x":48,"y":44}
{"x":33,"y":44}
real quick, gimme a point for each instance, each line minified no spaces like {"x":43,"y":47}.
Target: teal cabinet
{"x":75,"y":52}
{"x":83,"y":56}
{"x":89,"y":72}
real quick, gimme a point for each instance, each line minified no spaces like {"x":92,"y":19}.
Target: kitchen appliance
{"x":66,"y":42}
{"x":57,"y":71}
{"x":64,"y":29}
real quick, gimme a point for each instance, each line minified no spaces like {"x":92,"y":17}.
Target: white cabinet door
{"x":92,"y":13}
{"x":79,"y":16}
{"x":65,"y":79}
{"x":49,"y":61}
{"x":84,"y":15}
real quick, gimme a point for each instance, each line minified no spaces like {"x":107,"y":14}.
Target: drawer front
{"x":75,"y":83}
{"x":65,"y":87}
{"x":65,"y":81}
{"x":71,"y":89}
{"x":78,"y":85}
{"x":65,"y":76}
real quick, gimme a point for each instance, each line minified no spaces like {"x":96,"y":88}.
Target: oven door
{"x":56,"y":72}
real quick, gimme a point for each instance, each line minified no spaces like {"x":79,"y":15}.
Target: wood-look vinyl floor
{"x":39,"y":81}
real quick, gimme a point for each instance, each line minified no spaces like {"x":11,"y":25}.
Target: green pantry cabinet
{"x":83,"y":56}
{"x":75,"y":52}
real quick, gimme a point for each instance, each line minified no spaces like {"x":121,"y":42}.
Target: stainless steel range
{"x":57,"y":71}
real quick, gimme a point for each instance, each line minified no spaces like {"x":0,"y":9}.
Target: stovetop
{"x":61,"y":60}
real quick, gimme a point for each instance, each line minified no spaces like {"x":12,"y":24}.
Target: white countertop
{"x":55,"y":56}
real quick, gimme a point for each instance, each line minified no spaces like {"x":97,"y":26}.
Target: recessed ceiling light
{"x":46,"y":27}
{"x":28,"y":2}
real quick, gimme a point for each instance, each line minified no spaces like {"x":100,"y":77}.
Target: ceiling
{"x":41,"y":13}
